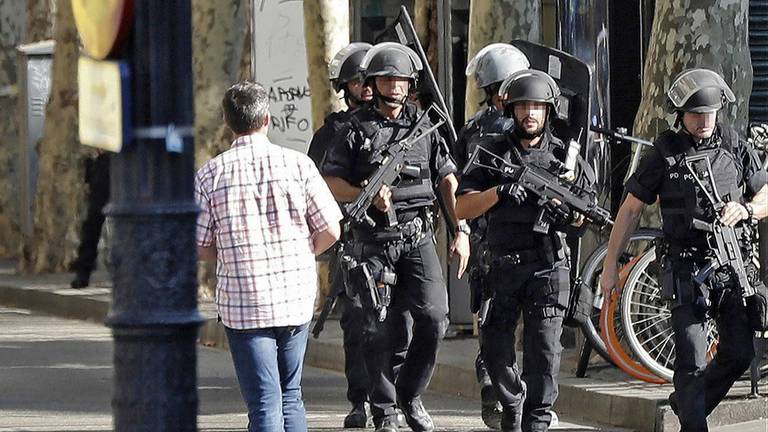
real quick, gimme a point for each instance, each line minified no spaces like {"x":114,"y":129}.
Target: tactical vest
{"x":509,"y":223}
{"x":376,"y":133}
{"x":679,"y":195}
{"x":485,"y":122}
{"x":333,"y":126}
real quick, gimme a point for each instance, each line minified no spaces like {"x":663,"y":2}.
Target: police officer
{"x":97,"y":178}
{"x":695,"y":96}
{"x":400,"y":261}
{"x":490,"y":66}
{"x":528,"y":271}
{"x":345,"y":75}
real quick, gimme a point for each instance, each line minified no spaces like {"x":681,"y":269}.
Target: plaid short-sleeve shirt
{"x":260,"y":206}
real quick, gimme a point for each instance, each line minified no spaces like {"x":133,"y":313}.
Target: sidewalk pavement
{"x":606,"y":396}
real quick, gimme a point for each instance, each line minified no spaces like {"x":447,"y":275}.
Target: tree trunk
{"x":220,"y":28}
{"x":326,"y":31}
{"x":687,"y":34}
{"x":60,"y":195}
{"x":425,"y":21}
{"x":498,"y":21}
{"x":41,"y":17}
{"x":11,"y":35}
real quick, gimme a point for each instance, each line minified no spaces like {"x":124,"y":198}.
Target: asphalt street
{"x":56,"y":375}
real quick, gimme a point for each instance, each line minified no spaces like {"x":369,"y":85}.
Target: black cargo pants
{"x":420,"y":292}
{"x":97,"y":178}
{"x":700,"y":386}
{"x":539,"y":292}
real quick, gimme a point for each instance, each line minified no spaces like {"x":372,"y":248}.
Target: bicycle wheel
{"x":612,"y":332}
{"x":647,"y":320}
{"x":639,"y":241}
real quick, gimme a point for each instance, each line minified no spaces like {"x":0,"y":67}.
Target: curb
{"x":625,"y":404}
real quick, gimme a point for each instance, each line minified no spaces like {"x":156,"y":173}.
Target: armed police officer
{"x":399,"y":262}
{"x":528,"y":269}
{"x":345,"y":75}
{"x":696,"y":95}
{"x":490,"y":66}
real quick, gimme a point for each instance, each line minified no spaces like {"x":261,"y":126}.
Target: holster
{"x":580,"y":304}
{"x":757,"y":308}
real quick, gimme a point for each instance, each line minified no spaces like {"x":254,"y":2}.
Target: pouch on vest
{"x":667,"y":280}
{"x":556,"y":291}
{"x":580,"y":303}
{"x":757,"y":308}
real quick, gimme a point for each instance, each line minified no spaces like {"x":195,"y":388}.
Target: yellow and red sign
{"x":102,"y":24}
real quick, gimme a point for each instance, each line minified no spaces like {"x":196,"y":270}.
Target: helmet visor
{"x":373,"y":52}
{"x":691,"y":81}
{"x":334,"y":67}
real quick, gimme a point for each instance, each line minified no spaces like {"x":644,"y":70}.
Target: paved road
{"x":56,"y":375}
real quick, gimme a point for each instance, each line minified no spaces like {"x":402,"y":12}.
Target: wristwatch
{"x":750,"y":212}
{"x":463,"y":227}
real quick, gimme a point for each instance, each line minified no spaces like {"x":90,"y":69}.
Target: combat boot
{"x":512,"y":420}
{"x":387,"y":424}
{"x":490,"y":408}
{"x":416,"y":416}
{"x":359,"y":416}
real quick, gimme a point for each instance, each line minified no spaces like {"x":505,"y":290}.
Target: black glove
{"x":561,"y":214}
{"x":511,"y":192}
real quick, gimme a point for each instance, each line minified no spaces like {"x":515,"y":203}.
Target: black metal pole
{"x":154,"y":315}
{"x":758,"y":100}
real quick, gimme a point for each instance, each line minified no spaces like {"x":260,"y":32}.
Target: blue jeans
{"x":269,"y":363}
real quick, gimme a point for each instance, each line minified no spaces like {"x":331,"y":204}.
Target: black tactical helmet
{"x":391,"y":59}
{"x":345,"y":65}
{"x":495,"y":62}
{"x":699,"y":91}
{"x":530,"y":85}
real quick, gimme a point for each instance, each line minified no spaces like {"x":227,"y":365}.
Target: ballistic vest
{"x":375,"y":133}
{"x":486,"y":121}
{"x":680,"y":197}
{"x":510,"y":225}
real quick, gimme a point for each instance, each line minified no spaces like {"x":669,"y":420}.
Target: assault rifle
{"x":391,"y":161}
{"x":547,"y":186}
{"x":726,"y":248}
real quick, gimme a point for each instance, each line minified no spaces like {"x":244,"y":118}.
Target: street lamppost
{"x":154,"y":317}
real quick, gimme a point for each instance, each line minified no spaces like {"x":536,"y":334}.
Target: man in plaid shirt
{"x":265,"y":214}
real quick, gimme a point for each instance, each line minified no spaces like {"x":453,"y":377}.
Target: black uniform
{"x":487,"y":121}
{"x":97,"y":178}
{"x":335,"y":129}
{"x":419,"y":288}
{"x":699,"y":386}
{"x":528,"y":275}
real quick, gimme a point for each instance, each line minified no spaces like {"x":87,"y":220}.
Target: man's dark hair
{"x":245,"y":106}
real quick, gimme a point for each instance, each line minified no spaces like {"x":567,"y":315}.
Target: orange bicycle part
{"x":609,"y":335}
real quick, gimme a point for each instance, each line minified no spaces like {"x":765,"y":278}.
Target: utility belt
{"x":417,"y":225}
{"x":495,"y":258}
{"x":551,"y":250}
{"x":665,"y":248}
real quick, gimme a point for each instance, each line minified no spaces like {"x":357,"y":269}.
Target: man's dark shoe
{"x":416,"y":416}
{"x":511,"y":421}
{"x":359,"y":416}
{"x":387,"y":425}
{"x":80,"y":281}
{"x":490,"y":408}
